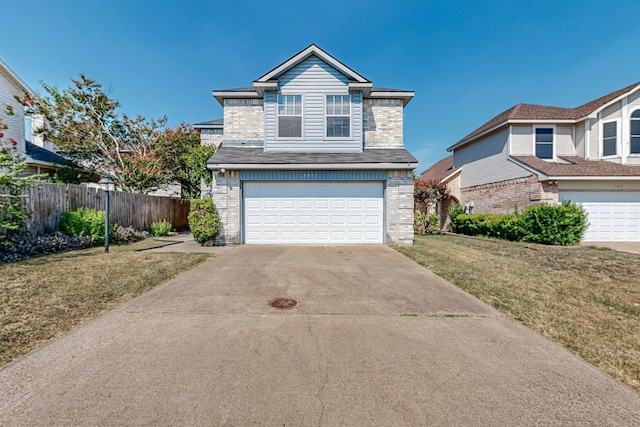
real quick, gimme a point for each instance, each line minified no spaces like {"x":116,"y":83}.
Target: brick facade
{"x":382,"y":122}
{"x":399,"y":208}
{"x":243,"y":120}
{"x":225,"y":191}
{"x":508,"y":196}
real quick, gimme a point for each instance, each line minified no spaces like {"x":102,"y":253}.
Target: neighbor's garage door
{"x":612,"y":216}
{"x":313,"y":212}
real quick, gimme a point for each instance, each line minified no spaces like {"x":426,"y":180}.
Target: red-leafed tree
{"x":429,"y":192}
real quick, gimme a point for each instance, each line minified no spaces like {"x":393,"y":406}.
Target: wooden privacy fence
{"x":46,"y":203}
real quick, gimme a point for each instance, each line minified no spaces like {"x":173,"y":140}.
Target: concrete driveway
{"x":375,"y":341}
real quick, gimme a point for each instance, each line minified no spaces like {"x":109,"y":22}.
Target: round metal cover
{"x":283,"y":303}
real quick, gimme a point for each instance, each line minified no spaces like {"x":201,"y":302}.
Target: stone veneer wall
{"x":243,"y":120}
{"x":399,"y":208}
{"x":382,"y":121}
{"x":507,"y":196}
{"x":225,"y":191}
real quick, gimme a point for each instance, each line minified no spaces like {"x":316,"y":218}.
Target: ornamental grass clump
{"x":160,"y":228}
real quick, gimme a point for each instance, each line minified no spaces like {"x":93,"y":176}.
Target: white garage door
{"x":313,"y":212}
{"x":612,"y":216}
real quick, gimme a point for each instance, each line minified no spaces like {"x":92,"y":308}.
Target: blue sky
{"x":466,"y":60}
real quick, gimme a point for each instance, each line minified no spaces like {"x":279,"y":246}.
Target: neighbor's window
{"x":609,"y":139}
{"x":635,"y":132}
{"x":338,"y":116}
{"x":544,"y":143}
{"x":289,"y":116}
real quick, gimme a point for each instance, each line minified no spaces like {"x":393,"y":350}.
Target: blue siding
{"x":313,"y":79}
{"x":313,"y":175}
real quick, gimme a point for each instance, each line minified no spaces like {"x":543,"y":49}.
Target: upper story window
{"x":544,"y":143}
{"x":609,"y":139}
{"x":635,"y":132}
{"x":338,"y":116}
{"x":289,"y":116}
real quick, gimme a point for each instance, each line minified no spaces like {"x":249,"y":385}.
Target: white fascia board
{"x":306,"y":53}
{"x":315,"y":166}
{"x":594,"y":178}
{"x":262,"y":87}
{"x":220,"y":95}
{"x":451,"y":175}
{"x":208,"y":126}
{"x":594,"y":113}
{"x":17,"y":80}
{"x":405,"y":96}
{"x":540,"y":121}
{"x":541,"y":176}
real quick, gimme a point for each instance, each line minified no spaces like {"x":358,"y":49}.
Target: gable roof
{"x":439,"y":170}
{"x":532,"y":113}
{"x":269,"y":81}
{"x":14,"y":77}
{"x":574,"y":166}
{"x":311,"y":50}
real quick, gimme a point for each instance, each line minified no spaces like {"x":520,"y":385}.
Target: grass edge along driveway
{"x":44,"y":297}
{"x":584,"y":298}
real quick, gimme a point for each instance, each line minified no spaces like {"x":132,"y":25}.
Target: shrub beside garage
{"x":562,"y":224}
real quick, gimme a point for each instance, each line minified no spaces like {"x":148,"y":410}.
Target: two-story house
{"x":38,"y":153}
{"x":532,"y":153}
{"x":312,"y":153}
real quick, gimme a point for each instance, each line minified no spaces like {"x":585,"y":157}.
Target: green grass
{"x":584,"y":298}
{"x":44,"y":297}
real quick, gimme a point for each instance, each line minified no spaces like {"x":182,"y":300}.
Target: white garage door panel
{"x":612,"y":216}
{"x":283,"y":212}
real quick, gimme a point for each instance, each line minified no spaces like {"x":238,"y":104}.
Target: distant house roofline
{"x":531,"y":113}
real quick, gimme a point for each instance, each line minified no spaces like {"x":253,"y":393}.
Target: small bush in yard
{"x":204,"y":222}
{"x":426,"y":223}
{"x":564,"y":224}
{"x":160,"y":228}
{"x":547,"y":224}
{"x":85,"y":222}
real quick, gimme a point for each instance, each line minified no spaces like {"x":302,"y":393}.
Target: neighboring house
{"x":312,"y":153}
{"x":39,"y":154}
{"x":532,"y":153}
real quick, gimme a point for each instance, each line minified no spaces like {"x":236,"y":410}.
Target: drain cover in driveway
{"x":283,"y":303}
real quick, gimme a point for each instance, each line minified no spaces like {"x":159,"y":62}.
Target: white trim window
{"x":290,"y":116}
{"x":609,"y":139}
{"x":634,"y":132}
{"x":543,"y":138}
{"x":338,"y":112}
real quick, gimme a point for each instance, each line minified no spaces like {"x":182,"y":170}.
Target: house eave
{"x":405,"y":96}
{"x":594,"y":178}
{"x":221,"y":95}
{"x":313,"y":166}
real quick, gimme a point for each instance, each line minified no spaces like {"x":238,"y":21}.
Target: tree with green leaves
{"x":87,"y":127}
{"x":184,"y":159}
{"x":13,"y":182}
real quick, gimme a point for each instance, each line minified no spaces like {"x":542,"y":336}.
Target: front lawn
{"x":584,"y":298}
{"x":44,"y":297}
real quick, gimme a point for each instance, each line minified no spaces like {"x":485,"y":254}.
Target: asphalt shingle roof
{"x":543,"y":112}
{"x":40,"y":154}
{"x":577,"y":166}
{"x":439,"y":170}
{"x":240,"y":155}
{"x":216,"y":122}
